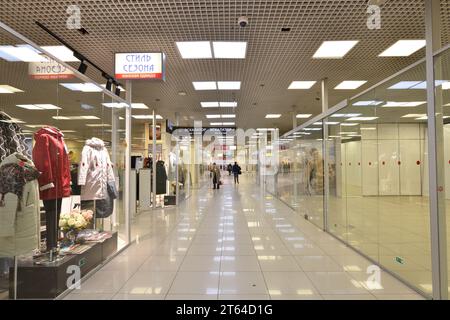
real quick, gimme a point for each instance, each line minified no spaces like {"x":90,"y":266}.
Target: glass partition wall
{"x":375,"y":154}
{"x":62,"y":168}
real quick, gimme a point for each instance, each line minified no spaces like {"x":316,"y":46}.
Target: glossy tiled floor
{"x":236,"y":243}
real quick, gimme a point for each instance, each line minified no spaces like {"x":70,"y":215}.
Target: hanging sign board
{"x":140,"y":66}
{"x":48,"y":70}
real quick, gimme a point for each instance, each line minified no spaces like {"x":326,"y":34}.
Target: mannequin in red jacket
{"x":50,"y":157}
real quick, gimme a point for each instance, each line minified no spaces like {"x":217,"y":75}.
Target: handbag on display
{"x":105,"y":207}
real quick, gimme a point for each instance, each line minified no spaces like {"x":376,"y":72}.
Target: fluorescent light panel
{"x":334,"y":49}
{"x":273,"y":116}
{"x":195,"y":49}
{"x":145,"y":117}
{"x":350,"y":85}
{"x":301,"y":85}
{"x":394,"y":104}
{"x":229,"y":50}
{"x":204,"y":85}
{"x":25,"y":53}
{"x":414,"y":115}
{"x":367,"y":103}
{"x":82,"y":87}
{"x":303,"y":116}
{"x":61,"y":52}
{"x":38,"y":106}
{"x":403,"y":48}
{"x":4,"y":88}
{"x":229,"y":85}
{"x":76,"y":118}
{"x":362,"y":119}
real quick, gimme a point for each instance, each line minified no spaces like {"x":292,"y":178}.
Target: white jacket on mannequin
{"x":95,"y":170}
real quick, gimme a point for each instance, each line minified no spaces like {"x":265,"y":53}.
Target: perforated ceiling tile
{"x":274,"y":58}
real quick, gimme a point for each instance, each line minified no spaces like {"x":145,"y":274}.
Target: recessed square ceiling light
{"x":229,"y":85}
{"x":230,"y":50}
{"x":213,"y":116}
{"x":204,"y":85}
{"x":414,"y":115}
{"x":367,"y":103}
{"x":38,"y":106}
{"x":139,"y":106}
{"x":404,"y":85}
{"x":312,"y":129}
{"x":362,"y":119}
{"x":273,"y":116}
{"x":345,"y":115}
{"x":76,"y":118}
{"x":25,"y":53}
{"x":209,"y":104}
{"x":98,"y":125}
{"x":446,"y":85}
{"x":403,"y":48}
{"x":61,"y":52}
{"x":334,"y":49}
{"x":4,"y":88}
{"x":195,"y":49}
{"x":303,"y":116}
{"x":350,"y":85}
{"x":146,"y":117}
{"x":301,"y":85}
{"x":423,"y":85}
{"x":394,"y":104}
{"x":228,"y":104}
{"x":114,"y":105}
{"x":82,"y":87}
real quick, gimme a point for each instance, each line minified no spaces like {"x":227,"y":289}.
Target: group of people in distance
{"x":215,"y":174}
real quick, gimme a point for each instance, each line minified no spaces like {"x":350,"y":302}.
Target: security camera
{"x":243,"y":21}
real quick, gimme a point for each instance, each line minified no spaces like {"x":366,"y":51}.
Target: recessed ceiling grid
{"x":274,"y":58}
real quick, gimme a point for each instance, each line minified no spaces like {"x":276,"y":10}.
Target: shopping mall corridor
{"x":236,"y":243}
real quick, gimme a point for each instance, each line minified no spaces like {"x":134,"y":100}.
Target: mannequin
{"x":50,"y":157}
{"x":94,"y":174}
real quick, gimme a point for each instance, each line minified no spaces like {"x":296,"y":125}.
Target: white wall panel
{"x":369,"y":131}
{"x":387,"y":131}
{"x":353,"y":167}
{"x":410,"y":179}
{"x":369,"y":167}
{"x":409,"y":131}
{"x":389,"y":178}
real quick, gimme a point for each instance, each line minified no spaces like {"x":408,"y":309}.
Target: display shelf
{"x":49,"y":280}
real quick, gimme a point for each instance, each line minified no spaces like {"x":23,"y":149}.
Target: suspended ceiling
{"x":274,"y":58}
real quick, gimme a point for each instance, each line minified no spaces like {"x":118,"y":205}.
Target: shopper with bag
{"x":236,"y":172}
{"x":215,"y":173}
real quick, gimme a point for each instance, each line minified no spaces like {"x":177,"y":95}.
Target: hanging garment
{"x":161,"y":178}
{"x":12,"y":139}
{"x":95,"y":170}
{"x":51,"y":159}
{"x":19,"y":208}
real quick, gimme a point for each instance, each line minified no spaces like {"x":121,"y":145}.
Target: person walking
{"x":229,"y":169}
{"x":236,"y":172}
{"x":215,"y":173}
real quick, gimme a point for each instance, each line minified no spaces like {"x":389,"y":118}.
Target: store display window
{"x":62,"y":167}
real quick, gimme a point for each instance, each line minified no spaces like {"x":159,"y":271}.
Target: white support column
{"x":126,"y":189}
{"x":154,"y":160}
{"x":325,"y":104}
{"x":114,"y":151}
{"x":325,"y":153}
{"x":436,"y":159}
{"x":177,"y":157}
